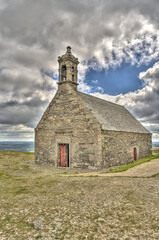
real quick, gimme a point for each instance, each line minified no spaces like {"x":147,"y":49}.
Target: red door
{"x":134,"y":154}
{"x":63,"y":155}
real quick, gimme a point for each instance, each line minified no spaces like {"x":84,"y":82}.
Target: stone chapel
{"x":78,"y":130}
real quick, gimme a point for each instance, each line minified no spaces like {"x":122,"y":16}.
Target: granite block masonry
{"x":78,"y":130}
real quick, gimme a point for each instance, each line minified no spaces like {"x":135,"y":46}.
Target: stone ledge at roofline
{"x":59,"y":83}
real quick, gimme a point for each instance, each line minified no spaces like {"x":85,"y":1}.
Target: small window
{"x":72,"y":69}
{"x":72,"y":78}
{"x":64,"y":78}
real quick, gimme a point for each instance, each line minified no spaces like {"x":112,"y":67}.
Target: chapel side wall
{"x":118,"y":147}
{"x":68,"y":120}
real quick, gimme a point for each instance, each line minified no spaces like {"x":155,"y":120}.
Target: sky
{"x":116,"y":42}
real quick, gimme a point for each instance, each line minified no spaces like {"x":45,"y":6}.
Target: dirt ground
{"x":38,"y":203}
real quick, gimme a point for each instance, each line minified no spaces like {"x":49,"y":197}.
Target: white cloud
{"x":12,"y":132}
{"x":144,"y":103}
{"x":95,"y":81}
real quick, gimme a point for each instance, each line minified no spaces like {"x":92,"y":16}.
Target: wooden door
{"x":134,"y":154}
{"x":63,"y":155}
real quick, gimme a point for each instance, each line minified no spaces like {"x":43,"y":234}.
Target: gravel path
{"x":143,"y":170}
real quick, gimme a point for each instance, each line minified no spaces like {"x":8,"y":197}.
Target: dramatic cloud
{"x":102,"y":34}
{"x":144,"y":103}
{"x":16,"y":132}
{"x":25,"y":93}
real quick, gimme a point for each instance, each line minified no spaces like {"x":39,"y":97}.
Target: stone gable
{"x":67,"y":120}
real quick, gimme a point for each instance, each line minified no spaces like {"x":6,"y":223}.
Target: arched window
{"x":72,"y":69}
{"x":72,"y":78}
{"x":63,"y":78}
{"x":64,"y":70}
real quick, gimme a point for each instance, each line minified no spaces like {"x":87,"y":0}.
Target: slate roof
{"x":112,"y":116}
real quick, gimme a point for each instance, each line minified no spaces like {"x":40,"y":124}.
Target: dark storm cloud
{"x":103,"y":33}
{"x":34,"y":102}
{"x":21,"y":114}
{"x":8,"y":104}
{"x":25,"y":93}
{"x":154,"y":128}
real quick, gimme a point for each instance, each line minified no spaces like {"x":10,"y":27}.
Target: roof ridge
{"x":103,"y":100}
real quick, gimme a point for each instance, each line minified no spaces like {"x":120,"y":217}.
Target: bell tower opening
{"x":63,"y":73}
{"x":68,"y":72}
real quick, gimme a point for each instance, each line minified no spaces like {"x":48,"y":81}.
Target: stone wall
{"x":67,"y":120}
{"x":118,"y":147}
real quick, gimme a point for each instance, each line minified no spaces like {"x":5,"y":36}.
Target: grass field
{"x":38,"y":203}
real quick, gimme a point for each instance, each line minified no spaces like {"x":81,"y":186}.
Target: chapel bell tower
{"x":68,"y":70}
